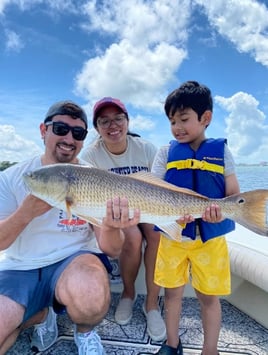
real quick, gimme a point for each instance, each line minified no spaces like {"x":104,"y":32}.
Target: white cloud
{"x":13,"y":41}
{"x":243,"y":22}
{"x":68,"y":5}
{"x":148,"y":48}
{"x":141,"y":123}
{"x":141,"y":46}
{"x":140,"y":22}
{"x":245,"y":127}
{"x":3,"y":4}
{"x":14,"y":147}
{"x":134,"y":74}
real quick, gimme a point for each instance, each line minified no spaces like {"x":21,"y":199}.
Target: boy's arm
{"x":160,"y":162}
{"x":231,"y":185}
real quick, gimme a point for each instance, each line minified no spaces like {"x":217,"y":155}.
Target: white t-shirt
{"x":138,"y":156}
{"x":48,"y":238}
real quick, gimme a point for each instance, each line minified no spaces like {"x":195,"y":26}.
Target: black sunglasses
{"x":61,"y":129}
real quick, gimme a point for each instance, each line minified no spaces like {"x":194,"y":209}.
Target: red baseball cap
{"x":106,"y":101}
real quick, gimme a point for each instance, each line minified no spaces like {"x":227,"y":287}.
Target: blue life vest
{"x":203,"y":172}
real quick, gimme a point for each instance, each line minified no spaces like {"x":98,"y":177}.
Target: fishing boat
{"x":244,"y":313}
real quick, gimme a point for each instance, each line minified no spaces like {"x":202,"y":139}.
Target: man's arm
{"x":13,"y":225}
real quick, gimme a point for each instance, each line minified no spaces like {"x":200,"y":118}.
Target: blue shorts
{"x":35,"y":289}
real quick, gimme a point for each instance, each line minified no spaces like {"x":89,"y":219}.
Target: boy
{"x":206,"y":166}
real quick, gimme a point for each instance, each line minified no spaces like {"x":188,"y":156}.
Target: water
{"x":252,"y":177}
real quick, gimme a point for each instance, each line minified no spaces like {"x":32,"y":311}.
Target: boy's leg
{"x":172,"y":273}
{"x":173,"y":303}
{"x":211,"y":321}
{"x":211,"y":277}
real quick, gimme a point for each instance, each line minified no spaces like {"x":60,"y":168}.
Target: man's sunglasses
{"x":61,"y":129}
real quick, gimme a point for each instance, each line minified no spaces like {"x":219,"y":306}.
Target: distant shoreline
{"x":258,"y":164}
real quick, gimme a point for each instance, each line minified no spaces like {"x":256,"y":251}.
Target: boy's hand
{"x":212,"y":214}
{"x":182,"y":221}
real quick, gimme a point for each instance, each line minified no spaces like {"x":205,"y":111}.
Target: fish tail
{"x":254,"y":214}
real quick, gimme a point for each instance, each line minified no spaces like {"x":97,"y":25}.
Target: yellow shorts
{"x":207,"y":264}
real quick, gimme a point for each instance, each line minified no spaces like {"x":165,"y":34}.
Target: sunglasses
{"x":61,"y":129}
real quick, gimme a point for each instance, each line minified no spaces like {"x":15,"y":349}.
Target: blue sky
{"x":137,"y":51}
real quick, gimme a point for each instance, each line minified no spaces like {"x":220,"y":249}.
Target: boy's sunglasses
{"x":61,"y":129}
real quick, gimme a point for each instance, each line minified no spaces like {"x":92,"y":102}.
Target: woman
{"x":122,"y":152}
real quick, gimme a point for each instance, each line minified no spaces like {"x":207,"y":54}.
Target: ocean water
{"x":252,"y":177}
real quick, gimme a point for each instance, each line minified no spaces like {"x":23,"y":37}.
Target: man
{"x":46,"y":262}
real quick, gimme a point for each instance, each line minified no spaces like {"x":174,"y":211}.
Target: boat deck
{"x":240,"y":334}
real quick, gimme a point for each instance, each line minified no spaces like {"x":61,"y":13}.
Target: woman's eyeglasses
{"x":105,"y":122}
{"x":61,"y":129}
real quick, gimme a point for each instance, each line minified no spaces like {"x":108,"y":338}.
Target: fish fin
{"x":69,"y":202}
{"x":172,"y":231}
{"x":68,"y":208}
{"x":253,"y":206}
{"x":153,"y":180}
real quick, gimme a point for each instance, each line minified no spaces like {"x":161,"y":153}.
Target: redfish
{"x":83,"y":191}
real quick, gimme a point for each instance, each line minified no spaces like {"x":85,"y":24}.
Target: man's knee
{"x":84,"y":286}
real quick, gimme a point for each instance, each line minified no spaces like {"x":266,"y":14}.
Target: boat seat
{"x":249,"y":256}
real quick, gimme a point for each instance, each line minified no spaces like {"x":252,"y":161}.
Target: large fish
{"x":83,"y":191}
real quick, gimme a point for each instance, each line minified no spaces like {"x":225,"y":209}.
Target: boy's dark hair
{"x":192,"y":95}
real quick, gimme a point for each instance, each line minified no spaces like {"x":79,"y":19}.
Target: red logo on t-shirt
{"x":72,"y":222}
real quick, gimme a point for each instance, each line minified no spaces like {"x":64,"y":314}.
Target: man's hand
{"x":110,"y":235}
{"x":117,"y":214}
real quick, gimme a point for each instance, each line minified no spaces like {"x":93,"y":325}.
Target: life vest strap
{"x":195,"y":164}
